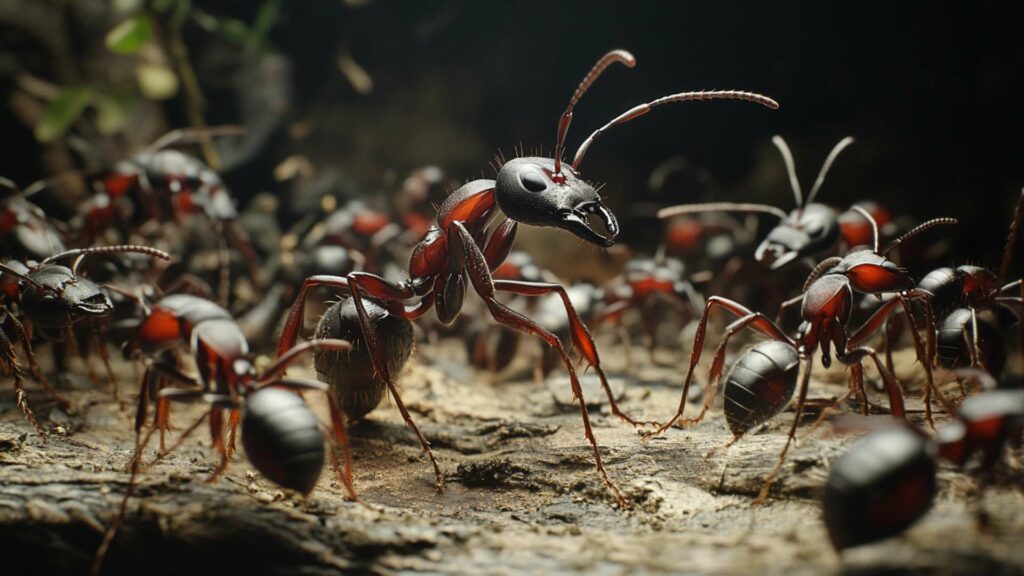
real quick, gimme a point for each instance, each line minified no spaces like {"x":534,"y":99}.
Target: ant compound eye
{"x":533,"y":181}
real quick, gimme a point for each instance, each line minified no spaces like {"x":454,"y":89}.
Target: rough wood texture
{"x":522,"y":495}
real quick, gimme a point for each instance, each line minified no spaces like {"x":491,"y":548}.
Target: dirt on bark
{"x":522,"y":495}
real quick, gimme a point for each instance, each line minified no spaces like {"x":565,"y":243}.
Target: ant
{"x":810,"y":229}
{"x":281,"y":436}
{"x":25,"y":231}
{"x":49,"y":299}
{"x":651,"y":285}
{"x":761,"y":383}
{"x":529,"y":190}
{"x":964,"y":337}
{"x":162,"y":184}
{"x":887,"y":480}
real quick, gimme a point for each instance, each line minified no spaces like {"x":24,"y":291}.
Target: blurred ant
{"x":281,"y":436}
{"x":164,"y":184}
{"x":25,"y":231}
{"x":653,"y":286}
{"x":887,"y":481}
{"x":48,"y":299}
{"x":531,"y":190}
{"x":957,"y":297}
{"x":810,"y":230}
{"x":761,"y":383}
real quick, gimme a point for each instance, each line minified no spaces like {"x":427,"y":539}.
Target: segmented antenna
{"x":286,"y":359}
{"x":720,"y":207}
{"x":1011,"y":239}
{"x":622,"y":57}
{"x":917,"y":230}
{"x":787,"y":158}
{"x":874,"y":225}
{"x":828,"y":164}
{"x":820,"y":269}
{"x":642,"y":109}
{"x":80,"y":253}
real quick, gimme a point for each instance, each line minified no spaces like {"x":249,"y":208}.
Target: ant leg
{"x":339,"y":427}
{"x":376,"y":287}
{"x":217,"y":436}
{"x":108,"y":537}
{"x":101,"y":347}
{"x":77,"y":350}
{"x":376,"y":351}
{"x":337,"y":435}
{"x":33,"y":364}
{"x":718,"y":364}
{"x":234,"y":419}
{"x":759,"y":322}
{"x":856,"y":356}
{"x":801,"y":399}
{"x":484,"y":286}
{"x":579,"y":332}
{"x":12,"y":366}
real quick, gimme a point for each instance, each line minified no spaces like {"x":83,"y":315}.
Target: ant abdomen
{"x":955,"y":338}
{"x":760,"y":384}
{"x":282,"y":438}
{"x":882,"y":485}
{"x":350,"y":374}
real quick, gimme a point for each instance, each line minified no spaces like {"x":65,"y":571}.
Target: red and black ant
{"x":810,"y":230}
{"x":761,"y":383}
{"x":282,"y":437}
{"x":964,"y":337}
{"x":653,"y":286}
{"x":887,"y":481}
{"x":25,"y":231}
{"x":163,"y":184}
{"x":530,"y":190}
{"x":49,"y":299}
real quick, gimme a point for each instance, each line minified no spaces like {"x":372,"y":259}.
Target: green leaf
{"x":62,"y":112}
{"x":156,"y":82}
{"x":112,"y":112}
{"x":265,"y":19}
{"x":128,"y":36}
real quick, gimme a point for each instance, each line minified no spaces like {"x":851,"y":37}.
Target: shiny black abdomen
{"x":882,"y":485}
{"x":282,"y":438}
{"x":952,"y":345}
{"x":350,"y":374}
{"x":760,"y":384}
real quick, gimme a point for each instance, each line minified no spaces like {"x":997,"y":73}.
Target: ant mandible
{"x":529,"y":190}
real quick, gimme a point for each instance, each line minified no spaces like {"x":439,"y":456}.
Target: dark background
{"x":931,"y":91}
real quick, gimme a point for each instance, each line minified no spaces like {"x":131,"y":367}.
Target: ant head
{"x":531,"y":191}
{"x":806,"y":232}
{"x":979,"y":284}
{"x":55,"y":298}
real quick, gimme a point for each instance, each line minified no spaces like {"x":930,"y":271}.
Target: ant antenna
{"x":80,"y":253}
{"x":642,"y":109}
{"x":10,"y":189}
{"x":190,"y":135}
{"x":874,"y":225}
{"x":828,"y":164}
{"x":622,"y":57}
{"x":286,"y":359}
{"x":1011,"y":239}
{"x":20,"y":276}
{"x":720,"y":207}
{"x":917,"y":230}
{"x":787,"y":158}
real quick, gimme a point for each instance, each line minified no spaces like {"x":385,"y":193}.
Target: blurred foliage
{"x":142,"y":35}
